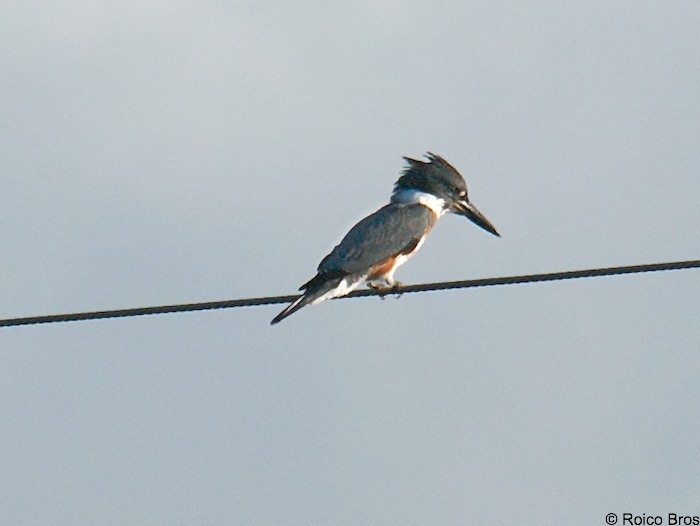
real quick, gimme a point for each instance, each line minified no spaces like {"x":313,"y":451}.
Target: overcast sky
{"x":171,"y":152}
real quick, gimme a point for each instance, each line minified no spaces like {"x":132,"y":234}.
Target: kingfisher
{"x":375,"y":247}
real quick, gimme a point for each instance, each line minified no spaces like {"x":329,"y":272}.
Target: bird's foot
{"x":384,"y":291}
{"x":397,"y":288}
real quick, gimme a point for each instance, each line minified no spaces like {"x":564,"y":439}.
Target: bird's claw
{"x":397,"y":289}
{"x":383,"y":292}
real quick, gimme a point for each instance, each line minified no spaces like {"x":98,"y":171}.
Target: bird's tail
{"x":301,"y":301}
{"x":318,"y":289}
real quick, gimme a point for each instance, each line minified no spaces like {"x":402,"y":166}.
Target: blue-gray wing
{"x":392,"y":230}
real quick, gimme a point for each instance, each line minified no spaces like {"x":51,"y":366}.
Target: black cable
{"x":271,"y":300}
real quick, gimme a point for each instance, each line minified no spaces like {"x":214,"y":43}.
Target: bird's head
{"x":437,"y":181}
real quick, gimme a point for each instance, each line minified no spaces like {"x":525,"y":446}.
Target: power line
{"x":426,"y":287}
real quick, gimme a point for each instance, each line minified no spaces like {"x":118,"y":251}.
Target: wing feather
{"x":394,"y":229}
{"x":391,"y":230}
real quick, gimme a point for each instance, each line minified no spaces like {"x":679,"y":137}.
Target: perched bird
{"x":376,"y":246}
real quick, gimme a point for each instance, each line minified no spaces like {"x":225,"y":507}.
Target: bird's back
{"x":388,"y":232}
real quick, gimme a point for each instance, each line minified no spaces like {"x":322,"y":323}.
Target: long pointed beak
{"x":468,"y":210}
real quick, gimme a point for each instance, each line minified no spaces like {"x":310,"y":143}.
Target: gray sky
{"x":166,"y":152}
